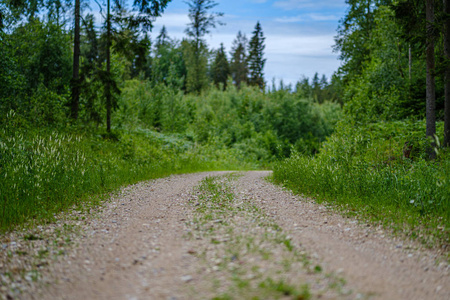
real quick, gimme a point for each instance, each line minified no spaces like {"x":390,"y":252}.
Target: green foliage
{"x":44,"y":172}
{"x":220,"y":69}
{"x":196,"y":58}
{"x":11,"y":80}
{"x":168,"y":64}
{"x":256,"y":61}
{"x":46,"y":56}
{"x":238,"y":63}
{"x":363,"y":170}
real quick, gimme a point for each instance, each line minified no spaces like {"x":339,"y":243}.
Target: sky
{"x":299,"y":33}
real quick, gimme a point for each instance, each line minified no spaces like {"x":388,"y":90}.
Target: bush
{"x":363,"y":169}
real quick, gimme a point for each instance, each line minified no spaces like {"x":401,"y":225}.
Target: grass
{"x":249,"y":255}
{"x":363,"y":172}
{"x":48,"y":171}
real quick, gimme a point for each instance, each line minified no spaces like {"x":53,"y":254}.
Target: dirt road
{"x":215,"y":235}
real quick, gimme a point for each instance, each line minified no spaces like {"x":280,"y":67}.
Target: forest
{"x":88,"y":108}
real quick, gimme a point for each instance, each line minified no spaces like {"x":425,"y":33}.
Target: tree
{"x":256,"y":58}
{"x":353,"y":35}
{"x":431,"y":71}
{"x":238,"y":65}
{"x":162,"y":39}
{"x":447,"y":73}
{"x":76,"y":64}
{"x":168,"y":64}
{"x":201,"y":23}
{"x":141,"y":16}
{"x":220,"y":68}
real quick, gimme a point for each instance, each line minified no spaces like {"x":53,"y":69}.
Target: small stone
{"x":186,"y":278}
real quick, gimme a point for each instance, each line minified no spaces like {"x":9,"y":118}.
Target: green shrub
{"x":363,"y":169}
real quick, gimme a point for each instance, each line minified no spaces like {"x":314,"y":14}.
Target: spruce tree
{"x":256,"y":58}
{"x":238,"y":65}
{"x":202,"y":20}
{"x":430,"y":79}
{"x":162,"y":39}
{"x":447,"y":73}
{"x":76,"y":63}
{"x":220,"y":68}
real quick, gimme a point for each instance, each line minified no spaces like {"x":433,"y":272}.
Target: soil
{"x":149,"y":242}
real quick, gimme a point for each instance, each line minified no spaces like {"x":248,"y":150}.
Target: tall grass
{"x":363,"y":171}
{"x":44,"y":172}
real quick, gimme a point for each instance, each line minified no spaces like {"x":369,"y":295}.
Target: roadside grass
{"x":363,"y":172}
{"x":44,"y":172}
{"x":247,"y":255}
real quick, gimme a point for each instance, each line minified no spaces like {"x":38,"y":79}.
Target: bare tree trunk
{"x":76,"y":64}
{"x":410,"y":62}
{"x":431,"y":93}
{"x":108,"y":69}
{"x":447,"y":74}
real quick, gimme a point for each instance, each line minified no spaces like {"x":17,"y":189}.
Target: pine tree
{"x":220,"y":68}
{"x":255,"y":59}
{"x":140,"y":17}
{"x":238,"y":65}
{"x":162,"y":39}
{"x":202,"y":20}
{"x":446,"y":9}
{"x":431,"y":86}
{"x":76,"y":64}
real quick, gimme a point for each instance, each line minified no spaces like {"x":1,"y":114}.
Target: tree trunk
{"x":431,"y":93}
{"x":447,"y":74}
{"x":108,"y":69}
{"x":410,"y":62}
{"x":76,"y":64}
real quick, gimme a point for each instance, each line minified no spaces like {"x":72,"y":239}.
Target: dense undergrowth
{"x":48,"y":165}
{"x":47,"y":171}
{"x":363,"y":170}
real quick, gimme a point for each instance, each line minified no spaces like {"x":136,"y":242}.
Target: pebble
{"x":186,"y":278}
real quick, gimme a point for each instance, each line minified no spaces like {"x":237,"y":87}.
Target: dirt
{"x":162,"y":239}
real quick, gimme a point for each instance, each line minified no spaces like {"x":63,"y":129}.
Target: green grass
{"x":48,"y":171}
{"x":257,"y":260}
{"x":363,"y":171}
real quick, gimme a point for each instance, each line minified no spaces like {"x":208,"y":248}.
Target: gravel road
{"x":163,"y":239}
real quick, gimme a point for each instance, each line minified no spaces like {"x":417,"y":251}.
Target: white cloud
{"x":300,"y":4}
{"x":289,"y":19}
{"x":321,"y":17}
{"x":173,"y":20}
{"x":307,"y":17}
{"x":299,"y":45}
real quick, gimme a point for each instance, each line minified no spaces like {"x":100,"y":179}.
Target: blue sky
{"x":299,"y":33}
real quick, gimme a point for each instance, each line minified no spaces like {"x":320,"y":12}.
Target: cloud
{"x":307,"y":17}
{"x":258,"y":1}
{"x":322,"y":17}
{"x":301,"y":4}
{"x":173,"y":20}
{"x":299,"y":45}
{"x":289,"y":19}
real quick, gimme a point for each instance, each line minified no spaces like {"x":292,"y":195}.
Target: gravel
{"x":143,"y":244}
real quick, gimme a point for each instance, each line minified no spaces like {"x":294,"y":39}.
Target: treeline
{"x":388,"y":160}
{"x":85,"y":109}
{"x":48,"y":82}
{"x":395,"y":61}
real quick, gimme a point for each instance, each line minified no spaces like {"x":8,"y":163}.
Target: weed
{"x":352,"y":173}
